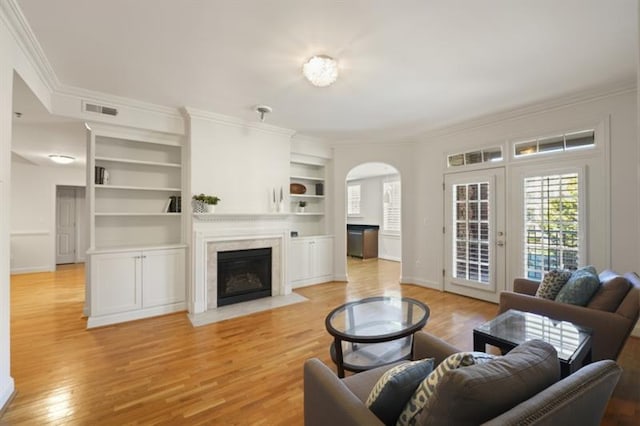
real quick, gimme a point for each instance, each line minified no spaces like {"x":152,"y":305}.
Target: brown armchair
{"x":610,"y":329}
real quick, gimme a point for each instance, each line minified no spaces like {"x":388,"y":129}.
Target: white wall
{"x":33,"y":219}
{"x":240,"y":163}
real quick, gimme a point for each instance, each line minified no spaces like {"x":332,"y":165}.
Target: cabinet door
{"x":299,"y":267}
{"x":163,"y":277}
{"x":115,"y":282}
{"x":323,"y":257}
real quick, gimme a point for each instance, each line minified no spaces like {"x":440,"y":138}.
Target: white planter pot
{"x":211,"y":208}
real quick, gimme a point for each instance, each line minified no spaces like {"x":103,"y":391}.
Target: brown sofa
{"x":579,"y":399}
{"x":610,"y":328}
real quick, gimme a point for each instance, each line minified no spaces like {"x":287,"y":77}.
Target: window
{"x":475,"y":157}
{"x":551,"y":223}
{"x":471,"y":238}
{"x":391,"y":207}
{"x":568,"y":141}
{"x":353,"y":200}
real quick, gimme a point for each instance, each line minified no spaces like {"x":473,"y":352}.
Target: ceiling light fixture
{"x":321,"y":70}
{"x":61,"y":159}
{"x":262,"y":110}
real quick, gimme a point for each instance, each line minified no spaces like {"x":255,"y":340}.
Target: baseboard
{"x":313,"y":281}
{"x":102,"y":320}
{"x":391,"y":258}
{"x":421,"y":282}
{"x":341,"y":278}
{"x":6,"y":394}
{"x":30,"y":270}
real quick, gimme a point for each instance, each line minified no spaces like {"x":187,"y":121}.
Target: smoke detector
{"x":262,"y":110}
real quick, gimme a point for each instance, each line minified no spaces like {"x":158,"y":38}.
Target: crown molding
{"x":554,"y":104}
{"x":228,"y":120}
{"x":19,"y":28}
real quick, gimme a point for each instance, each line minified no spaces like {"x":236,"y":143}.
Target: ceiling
{"x":368,"y":170}
{"x":407,"y":66}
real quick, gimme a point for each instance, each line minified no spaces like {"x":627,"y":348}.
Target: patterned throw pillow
{"x":580,"y":288}
{"x":391,"y":392}
{"x":426,"y":388}
{"x":552,"y":283}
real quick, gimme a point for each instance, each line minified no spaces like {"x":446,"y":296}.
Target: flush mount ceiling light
{"x":61,"y":159}
{"x":321,"y":70}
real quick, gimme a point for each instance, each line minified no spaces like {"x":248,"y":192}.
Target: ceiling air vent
{"x":100,"y":109}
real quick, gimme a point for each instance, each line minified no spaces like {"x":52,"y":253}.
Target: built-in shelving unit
{"x":134,"y":182}
{"x":309,"y":172}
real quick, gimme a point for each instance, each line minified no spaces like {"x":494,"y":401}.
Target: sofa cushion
{"x":580,"y":288}
{"x":475,"y":394}
{"x":610,"y":294}
{"x":552,"y":283}
{"x":390,"y":394}
{"x":426,"y":388}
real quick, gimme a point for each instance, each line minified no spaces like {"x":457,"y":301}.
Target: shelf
{"x":137,"y":214}
{"x":311,"y":178}
{"x":135,"y":247}
{"x":140,"y":162}
{"x":308,"y":214}
{"x":137,"y":188}
{"x":305,"y":196}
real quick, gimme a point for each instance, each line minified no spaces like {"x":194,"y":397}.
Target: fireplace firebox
{"x":243,"y":275}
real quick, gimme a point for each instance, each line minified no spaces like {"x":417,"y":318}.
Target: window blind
{"x":551,"y":222}
{"x":391,"y":207}
{"x":353,"y":200}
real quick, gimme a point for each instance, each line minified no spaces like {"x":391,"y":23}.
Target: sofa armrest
{"x":525,"y":286}
{"x":580,"y":399}
{"x":609,"y":329}
{"x":328,"y":401}
{"x":426,"y":345}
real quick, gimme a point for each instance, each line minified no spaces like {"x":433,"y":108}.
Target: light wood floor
{"x":245,"y":371}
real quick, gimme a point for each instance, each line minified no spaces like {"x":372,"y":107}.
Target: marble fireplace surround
{"x":214,"y":233}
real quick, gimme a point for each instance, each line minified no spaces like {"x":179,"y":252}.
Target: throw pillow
{"x":580,"y":288}
{"x":393,"y":389}
{"x":610,"y":294}
{"x":476,"y":394}
{"x":552,"y":283}
{"x":426,"y":388}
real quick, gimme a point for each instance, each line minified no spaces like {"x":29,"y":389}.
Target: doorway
{"x":474,"y":240}
{"x":70,"y":224}
{"x":373,"y":216}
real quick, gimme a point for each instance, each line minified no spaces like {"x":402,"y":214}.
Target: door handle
{"x":500,"y":243}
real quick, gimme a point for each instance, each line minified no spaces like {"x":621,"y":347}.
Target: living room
{"x":244,"y":161}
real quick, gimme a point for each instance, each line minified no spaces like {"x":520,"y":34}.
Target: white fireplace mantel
{"x":232,"y":230}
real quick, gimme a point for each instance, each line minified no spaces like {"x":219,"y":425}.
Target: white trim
{"x":421,"y":282}
{"x":236,"y":122}
{"x":102,"y":320}
{"x":29,"y":233}
{"x":392,"y":258}
{"x":6,"y":392}
{"x":31,"y":270}
{"x":341,"y":278}
{"x":313,"y":281}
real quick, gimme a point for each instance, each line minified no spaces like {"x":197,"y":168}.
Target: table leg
{"x":339,"y":357}
{"x":479,"y":344}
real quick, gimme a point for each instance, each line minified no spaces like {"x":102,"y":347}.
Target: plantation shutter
{"x":391,"y":207}
{"x":552,"y":219}
{"x":353,"y":200}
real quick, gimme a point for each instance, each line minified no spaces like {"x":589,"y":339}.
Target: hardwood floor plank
{"x":243,"y":371}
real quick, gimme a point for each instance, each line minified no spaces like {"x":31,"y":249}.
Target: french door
{"x":474,"y":231}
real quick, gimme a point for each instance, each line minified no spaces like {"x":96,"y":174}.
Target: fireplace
{"x":243,"y":275}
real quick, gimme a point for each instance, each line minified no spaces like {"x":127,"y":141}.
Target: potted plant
{"x":301,"y":206}
{"x":209,"y":201}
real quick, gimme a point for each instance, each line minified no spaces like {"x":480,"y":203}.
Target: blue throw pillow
{"x":582,"y":285}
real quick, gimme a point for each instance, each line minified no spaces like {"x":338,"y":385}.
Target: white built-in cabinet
{"x":136,"y":256}
{"x":311,"y":260}
{"x":308,"y":175}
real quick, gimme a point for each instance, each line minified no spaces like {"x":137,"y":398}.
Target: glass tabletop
{"x":517,"y":327}
{"x":377,"y":319}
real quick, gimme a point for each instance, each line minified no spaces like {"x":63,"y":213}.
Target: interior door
{"x":475,"y":233}
{"x":65,"y":225}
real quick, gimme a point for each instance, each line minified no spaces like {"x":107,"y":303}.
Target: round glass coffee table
{"x":374,"y":331}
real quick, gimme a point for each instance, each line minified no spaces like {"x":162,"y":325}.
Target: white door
{"x":65,"y":225}
{"x":299,"y":268}
{"x":323,"y":257}
{"x":474,"y":233}
{"x":116,"y":282}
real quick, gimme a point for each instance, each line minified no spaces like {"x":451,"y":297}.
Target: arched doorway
{"x":373,"y":218}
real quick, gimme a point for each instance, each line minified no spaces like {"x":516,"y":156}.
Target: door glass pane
{"x":471,"y":257}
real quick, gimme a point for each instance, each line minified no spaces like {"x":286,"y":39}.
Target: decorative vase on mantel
{"x":211,"y":208}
